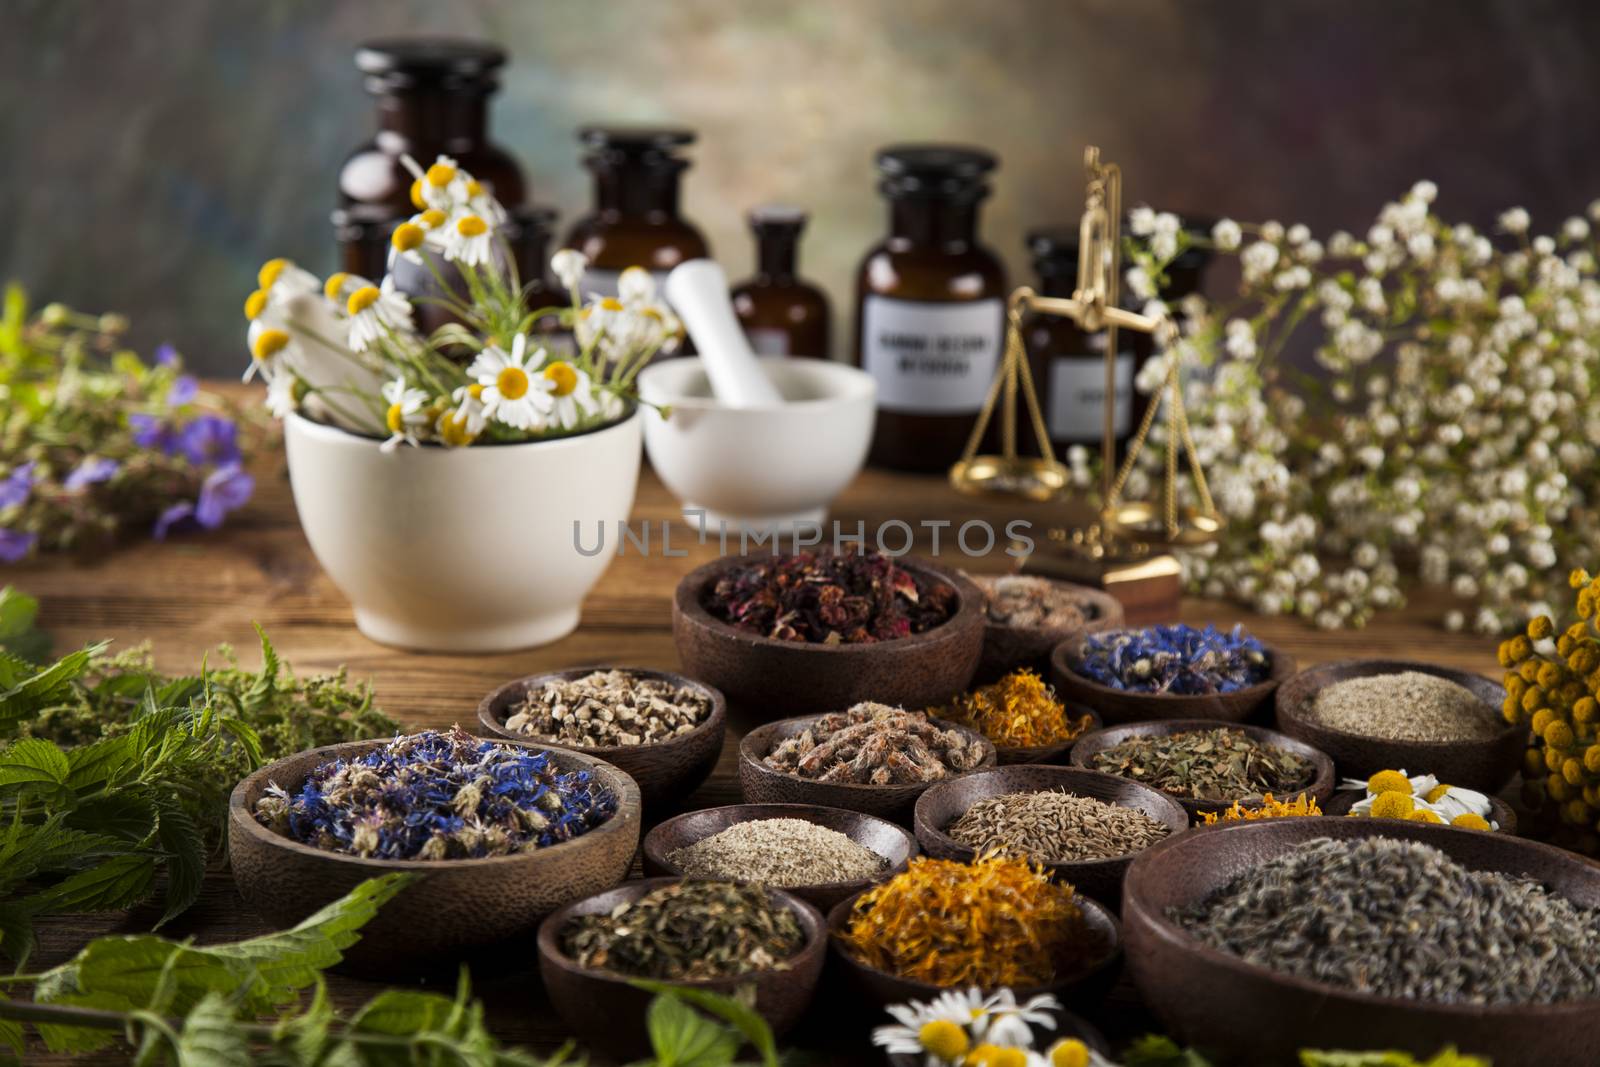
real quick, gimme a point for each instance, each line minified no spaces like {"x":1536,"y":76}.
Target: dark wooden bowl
{"x":1118,"y":706}
{"x":666,"y":771}
{"x":777,"y":678}
{"x":1320,"y":789}
{"x":1196,"y":991}
{"x":877,"y":989}
{"x":1482,"y":765}
{"x":455,"y":906}
{"x":1056,"y":753}
{"x":1500,"y":812}
{"x":607,"y":1014}
{"x":763,"y":785}
{"x":1006,"y":648}
{"x":893,"y":843}
{"x":1068,"y":1024}
{"x":1100,"y":879}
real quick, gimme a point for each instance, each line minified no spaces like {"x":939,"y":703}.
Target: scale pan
{"x":1146,"y":523}
{"x":1032,"y":478}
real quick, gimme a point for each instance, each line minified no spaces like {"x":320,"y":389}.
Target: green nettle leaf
{"x":185,"y":848}
{"x":119,"y":882}
{"x":682,"y":1037}
{"x":32,"y":694}
{"x":738,"y":1012}
{"x":98,"y":762}
{"x":32,"y":760}
{"x":18,"y":635}
{"x":211,"y":1038}
{"x":11,"y":1033}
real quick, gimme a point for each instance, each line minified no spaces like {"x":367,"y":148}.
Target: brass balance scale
{"x":1128,"y":549}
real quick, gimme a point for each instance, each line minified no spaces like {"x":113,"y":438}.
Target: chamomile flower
{"x":937,"y":1030}
{"x":469,"y":410}
{"x":572,"y":394}
{"x":374,"y":311}
{"x":435,"y":187}
{"x":277,"y":282}
{"x":1008,"y":1023}
{"x":269,"y":346}
{"x":405,"y":416}
{"x":282,"y":398}
{"x":470,"y":241}
{"x":512,"y":393}
{"x":568,"y":266}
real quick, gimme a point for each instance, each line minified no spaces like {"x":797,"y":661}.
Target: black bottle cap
{"x":429,"y":62}
{"x":934,"y":170}
{"x":777,"y":218}
{"x":636,"y":139}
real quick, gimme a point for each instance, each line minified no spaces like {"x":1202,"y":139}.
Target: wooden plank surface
{"x":188,"y":595}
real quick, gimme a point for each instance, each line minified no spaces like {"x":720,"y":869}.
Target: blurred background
{"x":153,"y":154}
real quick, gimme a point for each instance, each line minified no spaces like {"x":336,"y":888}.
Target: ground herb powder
{"x":1406,"y":706}
{"x":780,"y":852}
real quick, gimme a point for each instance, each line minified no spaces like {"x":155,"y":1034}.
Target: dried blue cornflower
{"x":439,"y":796}
{"x":1174,"y":659}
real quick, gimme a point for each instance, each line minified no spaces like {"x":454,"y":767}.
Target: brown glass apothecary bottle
{"x":931,"y":306}
{"x":433,"y":99}
{"x":782,"y":314}
{"x":638,"y":175}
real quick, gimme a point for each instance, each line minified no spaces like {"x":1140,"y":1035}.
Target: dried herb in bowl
{"x":438,"y":796}
{"x":778,"y":852}
{"x":830,"y":598}
{"x":1054,"y":826}
{"x":1018,"y":711}
{"x":1179,"y":660}
{"x":608,"y":708}
{"x":1216,"y":765}
{"x":688,"y":931}
{"x":874,"y":744}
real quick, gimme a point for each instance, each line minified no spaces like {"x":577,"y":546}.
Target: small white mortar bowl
{"x":765,"y":467}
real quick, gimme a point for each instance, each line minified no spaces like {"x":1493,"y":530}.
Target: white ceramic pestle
{"x":698,"y":292}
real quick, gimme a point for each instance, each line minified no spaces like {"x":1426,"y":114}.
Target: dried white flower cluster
{"x":1453,"y":429}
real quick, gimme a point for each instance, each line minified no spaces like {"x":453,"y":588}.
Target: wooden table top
{"x":189,"y":594}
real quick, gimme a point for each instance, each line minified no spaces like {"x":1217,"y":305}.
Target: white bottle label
{"x":931,"y":358}
{"x":765,"y":341}
{"x":1078,"y":397}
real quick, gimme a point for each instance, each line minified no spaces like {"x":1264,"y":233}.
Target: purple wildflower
{"x":184,"y":389}
{"x":166,"y":356}
{"x":152,"y":431}
{"x":15,"y":544}
{"x":224,"y":490}
{"x":177,"y":515}
{"x":17,"y":486}
{"x":92,"y":470}
{"x":210,"y":440}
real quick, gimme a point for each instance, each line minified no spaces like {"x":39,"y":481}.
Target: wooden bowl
{"x":763,"y":785}
{"x":607,"y":1013}
{"x":1118,"y":706}
{"x":1500,"y":813}
{"x":777,"y":678}
{"x":1196,"y":991}
{"x":455,"y":906}
{"x":1053,"y":753}
{"x":1100,"y":879}
{"x":1320,"y":789}
{"x":1006,"y":648}
{"x":879,"y":989}
{"x":893,"y":843}
{"x":666,"y":771}
{"x":1485,"y":765}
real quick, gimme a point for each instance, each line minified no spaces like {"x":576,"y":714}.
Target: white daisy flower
{"x":573,"y":394}
{"x":636,"y":286}
{"x":374,"y":311}
{"x":568,"y":266}
{"x":469,"y":410}
{"x":1008,"y":1023}
{"x":270,"y":347}
{"x":470,"y":241}
{"x":511,"y":394}
{"x":405,"y":416}
{"x":281,"y":399}
{"x":435,"y":187}
{"x":937,"y":1029}
{"x":278,"y":282}
{"x":476,"y":198}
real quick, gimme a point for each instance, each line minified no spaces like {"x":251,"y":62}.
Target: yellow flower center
{"x":1388,"y":782}
{"x":270,"y":343}
{"x":981,"y":1056}
{"x":362,"y":299}
{"x":651,"y":313}
{"x":564,"y":377}
{"x":269,"y":272}
{"x":1394,"y":805}
{"x":475,"y":391}
{"x":472,"y":226}
{"x":255,"y":303}
{"x":474,"y":188}
{"x":453,"y":432}
{"x":441,"y":175}
{"x":432,"y":218}
{"x":1437,"y":793}
{"x":943,"y":1038}
{"x":407,"y":236}
{"x":335,"y":285}
{"x":610,"y":303}
{"x":512,"y":383}
{"x":417,"y":199}
{"x":1070,"y":1053}
{"x":1008,"y":1057}
{"x":396,"y":419}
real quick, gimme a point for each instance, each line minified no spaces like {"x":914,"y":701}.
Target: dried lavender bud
{"x":609,"y":708}
{"x":830,"y":598}
{"x":874,"y":744}
{"x":688,"y":931}
{"x":1174,"y":659}
{"x":438,"y":796}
